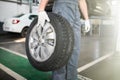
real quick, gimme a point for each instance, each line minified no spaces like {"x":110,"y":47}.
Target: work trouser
{"x":70,"y":11}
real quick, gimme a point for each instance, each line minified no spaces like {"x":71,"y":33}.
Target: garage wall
{"x":118,"y":42}
{"x":115,"y":13}
{"x":8,"y":9}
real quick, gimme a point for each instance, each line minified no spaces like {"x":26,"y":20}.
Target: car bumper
{"x":11,"y":29}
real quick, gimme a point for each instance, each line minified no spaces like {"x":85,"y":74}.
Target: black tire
{"x":63,"y":47}
{"x":24,"y":32}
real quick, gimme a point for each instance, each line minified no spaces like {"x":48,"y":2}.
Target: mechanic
{"x":69,"y":9}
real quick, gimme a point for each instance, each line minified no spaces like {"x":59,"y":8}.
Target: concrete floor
{"x":108,"y":69}
{"x":92,"y":48}
{"x":5,"y":76}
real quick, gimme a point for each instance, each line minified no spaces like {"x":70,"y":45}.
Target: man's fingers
{"x":47,"y":18}
{"x":87,"y":29}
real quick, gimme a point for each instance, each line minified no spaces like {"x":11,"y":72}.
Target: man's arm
{"x":42,"y":5}
{"x":84,"y":11}
{"x":83,"y":8}
{"x":42,"y":15}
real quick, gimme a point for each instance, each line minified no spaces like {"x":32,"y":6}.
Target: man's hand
{"x":87,"y":26}
{"x":42,"y":17}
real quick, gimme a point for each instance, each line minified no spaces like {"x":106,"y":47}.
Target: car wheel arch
{"x":23,"y":31}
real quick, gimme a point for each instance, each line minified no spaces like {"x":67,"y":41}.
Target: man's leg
{"x":73,"y":62}
{"x":69,"y":72}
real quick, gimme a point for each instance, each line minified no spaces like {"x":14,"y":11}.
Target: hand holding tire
{"x":42,"y":17}
{"x":87,"y":26}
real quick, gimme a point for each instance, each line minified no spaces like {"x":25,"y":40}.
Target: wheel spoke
{"x":50,"y":35}
{"x":47,"y":49}
{"x":50,"y":48}
{"x":43,"y":53}
{"x":45,"y":28}
{"x":34,"y":36}
{"x":33,"y":45}
{"x":39,"y":30}
{"x":51,"y":42}
{"x":37,"y":50}
{"x":49,"y":30}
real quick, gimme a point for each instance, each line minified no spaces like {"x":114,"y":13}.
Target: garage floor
{"x":98,"y":61}
{"x":21,"y":66}
{"x":108,"y":69}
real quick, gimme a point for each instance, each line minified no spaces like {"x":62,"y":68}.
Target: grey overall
{"x":69,"y":9}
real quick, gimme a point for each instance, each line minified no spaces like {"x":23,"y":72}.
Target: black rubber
{"x":63,"y":48}
{"x":24,"y":32}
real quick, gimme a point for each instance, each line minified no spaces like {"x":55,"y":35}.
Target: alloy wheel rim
{"x":42,"y":42}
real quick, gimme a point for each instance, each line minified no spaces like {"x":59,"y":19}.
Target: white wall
{"x":115,"y":11}
{"x":8,"y":9}
{"x":118,"y":35}
{"x":118,"y":41}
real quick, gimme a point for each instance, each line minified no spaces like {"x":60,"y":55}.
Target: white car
{"x":19,"y":24}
